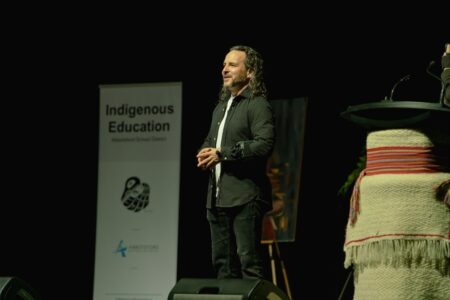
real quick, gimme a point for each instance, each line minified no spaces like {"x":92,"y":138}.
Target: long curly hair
{"x":253,"y":62}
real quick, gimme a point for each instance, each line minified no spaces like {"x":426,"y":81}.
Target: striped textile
{"x":399,"y":245}
{"x":399,"y":160}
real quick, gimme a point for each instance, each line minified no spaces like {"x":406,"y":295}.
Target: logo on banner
{"x":123,"y":248}
{"x":135,"y":195}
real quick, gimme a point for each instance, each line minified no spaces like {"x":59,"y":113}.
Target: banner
{"x":138,"y":191}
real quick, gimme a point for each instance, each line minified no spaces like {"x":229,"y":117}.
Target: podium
{"x":387,"y":114}
{"x":397,"y":231}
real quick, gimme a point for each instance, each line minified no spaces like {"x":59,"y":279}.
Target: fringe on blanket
{"x":399,"y":252}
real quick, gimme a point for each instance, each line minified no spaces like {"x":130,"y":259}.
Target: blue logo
{"x":122,"y":249}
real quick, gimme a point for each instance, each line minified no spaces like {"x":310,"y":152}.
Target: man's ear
{"x":250,"y":74}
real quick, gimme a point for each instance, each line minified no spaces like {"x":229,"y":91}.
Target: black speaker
{"x":225,"y":289}
{"x":14,"y":288}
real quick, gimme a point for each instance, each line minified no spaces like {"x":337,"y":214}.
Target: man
{"x":236,"y":150}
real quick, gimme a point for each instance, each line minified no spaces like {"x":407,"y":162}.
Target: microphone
{"x":404,"y":78}
{"x":429,"y":72}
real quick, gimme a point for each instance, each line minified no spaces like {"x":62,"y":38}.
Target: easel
{"x":270,"y":244}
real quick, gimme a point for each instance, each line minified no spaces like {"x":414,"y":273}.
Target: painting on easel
{"x":284,"y":169}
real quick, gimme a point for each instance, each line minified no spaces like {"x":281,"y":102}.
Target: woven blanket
{"x":401,"y":228}
{"x":416,"y":282}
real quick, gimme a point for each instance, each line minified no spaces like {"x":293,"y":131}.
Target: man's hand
{"x":208,"y":158}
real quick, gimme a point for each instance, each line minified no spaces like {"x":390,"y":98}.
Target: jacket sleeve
{"x":262,"y":134}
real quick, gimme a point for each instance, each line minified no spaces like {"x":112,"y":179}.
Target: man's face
{"x":234,"y":73}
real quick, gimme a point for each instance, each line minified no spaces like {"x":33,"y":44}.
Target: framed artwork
{"x":284,"y":169}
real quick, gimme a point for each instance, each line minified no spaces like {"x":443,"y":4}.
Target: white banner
{"x":138,"y":191}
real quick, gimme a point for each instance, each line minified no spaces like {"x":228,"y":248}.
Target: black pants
{"x":236,"y":240}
